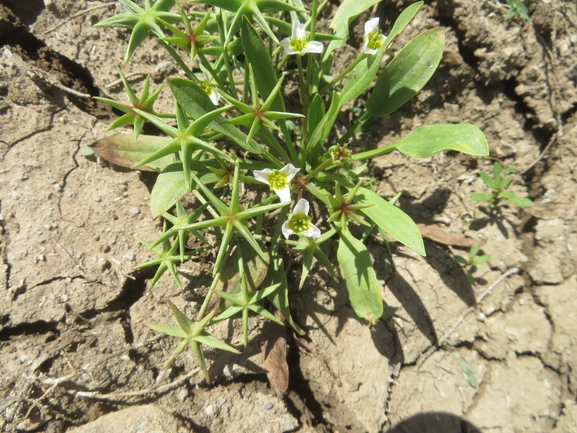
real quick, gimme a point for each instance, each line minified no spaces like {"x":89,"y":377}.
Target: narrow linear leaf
{"x":197,"y":103}
{"x":264,"y":72}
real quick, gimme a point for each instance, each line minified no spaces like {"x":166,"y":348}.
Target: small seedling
{"x":469,"y":374}
{"x":517,"y":8}
{"x":472,"y":260}
{"x":499,"y":184}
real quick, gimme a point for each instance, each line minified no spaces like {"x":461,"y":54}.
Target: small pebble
{"x":182,"y":395}
{"x":268,"y":406}
{"x":209,"y":411}
{"x":134,"y":211}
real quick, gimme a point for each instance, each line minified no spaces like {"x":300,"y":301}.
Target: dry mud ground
{"x":75,"y":353}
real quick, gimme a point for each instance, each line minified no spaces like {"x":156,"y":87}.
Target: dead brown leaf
{"x":437,"y":234}
{"x":273,"y":345}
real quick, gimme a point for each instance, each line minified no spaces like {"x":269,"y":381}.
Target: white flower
{"x":298,"y":43}
{"x":278,"y":180}
{"x":210,"y":90}
{"x":299,"y":222}
{"x":374,"y":37}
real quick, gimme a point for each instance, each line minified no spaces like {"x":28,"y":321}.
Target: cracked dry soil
{"x":75,"y":354}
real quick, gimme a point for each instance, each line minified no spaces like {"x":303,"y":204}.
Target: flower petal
{"x":314,"y":47}
{"x":371,"y":25}
{"x":214,"y":96}
{"x":294,"y":31}
{"x":302,"y":207}
{"x":285,"y":229}
{"x":312,"y":232}
{"x":262,"y":175}
{"x":284,"y":194}
{"x":299,"y":30}
{"x":286,"y":44}
{"x":290,"y":171}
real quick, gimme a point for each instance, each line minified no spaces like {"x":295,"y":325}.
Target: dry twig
{"x":76,"y":15}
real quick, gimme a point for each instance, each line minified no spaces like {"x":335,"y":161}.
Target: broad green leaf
{"x":317,"y":111}
{"x":407,"y":73}
{"x":347,"y":12}
{"x":197,"y":103}
{"x":511,"y":196}
{"x":430,"y":139}
{"x":362,"y":77}
{"x":264,"y":72}
{"x":391,"y":220}
{"x":360,"y":278}
{"x":170,"y":185}
{"x":480,"y":196}
{"x":123,"y":150}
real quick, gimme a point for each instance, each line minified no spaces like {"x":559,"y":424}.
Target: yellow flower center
{"x":207,"y":87}
{"x":299,"y":223}
{"x":299,"y":44}
{"x":278,"y":180}
{"x":375,"y":39}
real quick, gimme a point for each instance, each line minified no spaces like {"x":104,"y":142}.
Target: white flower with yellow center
{"x":299,"y":222}
{"x":278,"y":180}
{"x":209,"y":89}
{"x":374,"y":37}
{"x":298,"y":42}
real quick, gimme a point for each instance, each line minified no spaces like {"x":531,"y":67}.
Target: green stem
{"x":326,"y":236}
{"x":280,"y":241}
{"x":354,"y":128}
{"x":373,"y":153}
{"x":310,"y":57}
{"x":301,"y":81}
{"x":273,"y":143}
{"x":343,"y":73}
{"x":317,"y":170}
{"x":207,"y":297}
{"x":178,"y":59}
{"x":226,"y":58}
{"x":289,"y":141}
{"x":210,"y":69}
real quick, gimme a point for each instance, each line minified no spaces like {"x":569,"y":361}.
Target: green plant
{"x":284,"y":150}
{"x":517,"y":8}
{"x":472,"y":260}
{"x":499,"y":184}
